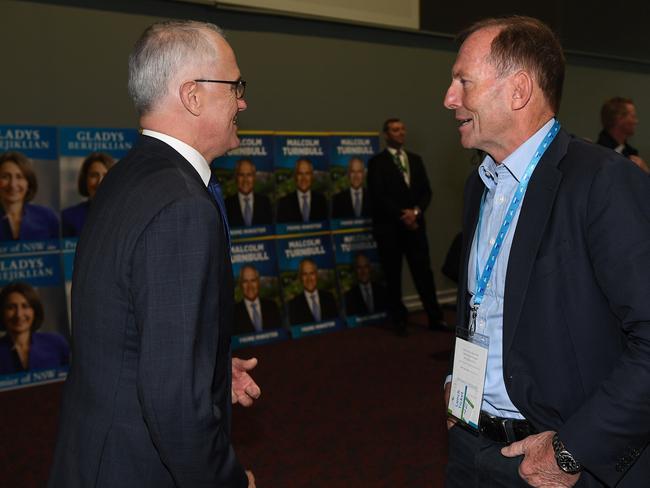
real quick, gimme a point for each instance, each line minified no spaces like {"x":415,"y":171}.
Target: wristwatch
{"x":564,"y":458}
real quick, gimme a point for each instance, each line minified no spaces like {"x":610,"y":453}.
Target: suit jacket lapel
{"x":535,"y":212}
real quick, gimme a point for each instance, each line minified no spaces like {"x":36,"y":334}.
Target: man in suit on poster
{"x":365,"y":297}
{"x":400,"y":194}
{"x":254,"y":313}
{"x":148,"y":398}
{"x":352,"y":202}
{"x":304,"y":204}
{"x":312,"y":305}
{"x":246,"y":207}
{"x":565,"y":301}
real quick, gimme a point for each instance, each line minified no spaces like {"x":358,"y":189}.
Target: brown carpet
{"x":354,"y":408}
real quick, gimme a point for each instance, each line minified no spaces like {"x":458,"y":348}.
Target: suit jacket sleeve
{"x":184,"y":401}
{"x":612,"y":427}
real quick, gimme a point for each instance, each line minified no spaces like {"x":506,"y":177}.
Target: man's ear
{"x":188,"y":93}
{"x":522,"y":84}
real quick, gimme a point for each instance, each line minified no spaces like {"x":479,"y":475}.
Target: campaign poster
{"x":309,"y":287}
{"x":360,"y":278}
{"x":349,"y":155}
{"x":86,"y":154}
{"x":245,"y":175}
{"x":34,"y":333}
{"x":302,"y":182}
{"x":257,"y":312}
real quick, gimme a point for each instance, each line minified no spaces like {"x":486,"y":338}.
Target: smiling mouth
{"x":462,"y":122}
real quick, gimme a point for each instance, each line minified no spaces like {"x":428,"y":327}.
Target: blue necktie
{"x":357,"y":203}
{"x":305,"y":209}
{"x":215,"y":191}
{"x":248,"y":212}
{"x":257,"y":320}
{"x":315,"y":309}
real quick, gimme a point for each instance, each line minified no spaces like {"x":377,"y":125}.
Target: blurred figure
{"x":312,"y":305}
{"x":618,"y":116}
{"x":254,"y":313}
{"x":92,"y":172}
{"x":365,"y":297}
{"x":247,"y":207}
{"x":21,"y":220}
{"x":303,"y":205}
{"x":22,"y":348}
{"x":352,"y":202}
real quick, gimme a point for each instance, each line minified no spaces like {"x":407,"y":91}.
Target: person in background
{"x":365,"y":297}
{"x":254,"y":313}
{"x":618,"y":116}
{"x":352,"y":202}
{"x":247,"y":207}
{"x":312,"y":304}
{"x":21,"y":220}
{"x":304,"y":204}
{"x":92,"y":172}
{"x":22,"y":348}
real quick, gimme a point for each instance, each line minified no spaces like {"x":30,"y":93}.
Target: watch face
{"x":566,"y":462}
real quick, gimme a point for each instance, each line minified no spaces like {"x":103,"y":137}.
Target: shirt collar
{"x":517,"y":162}
{"x":194,"y":157}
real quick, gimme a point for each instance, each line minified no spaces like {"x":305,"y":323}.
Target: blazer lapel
{"x":535,"y":212}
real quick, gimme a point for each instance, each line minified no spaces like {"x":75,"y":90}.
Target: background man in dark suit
{"x":303,"y":205}
{"x":246,"y":207}
{"x":148,"y":398}
{"x":365,"y":297}
{"x":254,"y":313}
{"x":400,"y":194}
{"x":618,"y":116}
{"x":312,"y":305}
{"x":352,"y":202}
{"x":566,"y":306}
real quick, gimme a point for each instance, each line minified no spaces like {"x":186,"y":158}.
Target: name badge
{"x":468,"y":377}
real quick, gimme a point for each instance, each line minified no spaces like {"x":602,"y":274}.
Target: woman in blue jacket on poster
{"x":92,"y":172}
{"x":21,"y":220}
{"x":22,"y":348}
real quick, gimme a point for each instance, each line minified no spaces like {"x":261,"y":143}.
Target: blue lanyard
{"x":483,"y":280}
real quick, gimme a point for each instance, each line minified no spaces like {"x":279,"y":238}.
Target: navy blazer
{"x":300,"y":313}
{"x":73,"y":219}
{"x":289,"y":208}
{"x":38,"y":222}
{"x":262,"y":213}
{"x":389,"y":193}
{"x":576,"y":315}
{"x":148,"y":398}
{"x":342,"y":207}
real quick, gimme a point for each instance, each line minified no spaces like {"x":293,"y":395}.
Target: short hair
{"x":305,"y":261}
{"x":612,"y":110}
{"x":161,"y":52}
{"x":26,"y":169}
{"x":82,"y":180}
{"x":387,"y":122}
{"x":525,"y":42}
{"x":356,"y":158}
{"x":30,"y":295}
{"x":248,"y":266}
{"x":242,"y":161}
{"x":306,"y":160}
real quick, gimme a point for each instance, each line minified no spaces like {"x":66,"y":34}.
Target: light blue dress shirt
{"x":501,"y":181}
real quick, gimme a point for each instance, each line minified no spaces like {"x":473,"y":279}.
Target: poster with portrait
{"x":360,"y":278}
{"x":247,"y":182}
{"x":86,"y":154}
{"x":257,"y":311}
{"x":34,"y":333}
{"x":309,"y":287}
{"x":349,"y":155}
{"x":302,"y":182}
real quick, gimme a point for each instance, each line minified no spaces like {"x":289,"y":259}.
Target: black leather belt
{"x":499,"y":429}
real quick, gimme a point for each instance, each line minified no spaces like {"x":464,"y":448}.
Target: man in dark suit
{"x":312,"y":305}
{"x":246,"y":207}
{"x":365,"y":297}
{"x":563,"y":297}
{"x":618,"y":116}
{"x":400,"y":194}
{"x":148,"y":398}
{"x":254,"y":313}
{"x":352,"y":202}
{"x":303,"y":205}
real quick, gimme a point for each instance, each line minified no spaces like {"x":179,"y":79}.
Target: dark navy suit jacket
{"x":576,"y":315}
{"x":147,"y":401}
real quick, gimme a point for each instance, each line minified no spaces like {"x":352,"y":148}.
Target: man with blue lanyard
{"x":550,"y":384}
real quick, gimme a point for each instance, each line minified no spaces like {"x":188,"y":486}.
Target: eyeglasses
{"x":239,"y":86}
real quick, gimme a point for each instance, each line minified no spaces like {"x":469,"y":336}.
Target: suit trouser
{"x":477,"y":462}
{"x":414,"y":246}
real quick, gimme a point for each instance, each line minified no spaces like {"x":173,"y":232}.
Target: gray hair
{"x":161,"y":52}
